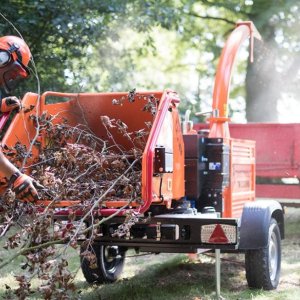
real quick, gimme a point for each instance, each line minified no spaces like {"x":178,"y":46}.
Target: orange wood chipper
{"x":197,"y":189}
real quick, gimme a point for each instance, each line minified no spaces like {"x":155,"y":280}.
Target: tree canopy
{"x":123,"y":45}
{"x":81,"y":45}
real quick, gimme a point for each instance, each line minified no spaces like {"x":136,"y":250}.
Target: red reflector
{"x":218,"y":236}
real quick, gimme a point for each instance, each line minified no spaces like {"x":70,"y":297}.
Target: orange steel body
{"x":241,"y":188}
{"x":87,"y":108}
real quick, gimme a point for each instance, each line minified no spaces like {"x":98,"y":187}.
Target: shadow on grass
{"x":176,"y":279}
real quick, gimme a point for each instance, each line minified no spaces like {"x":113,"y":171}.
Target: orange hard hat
{"x":14,"y":59}
{"x":16,"y":47}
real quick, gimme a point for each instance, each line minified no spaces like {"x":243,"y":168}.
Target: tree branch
{"x":64,"y":240}
{"x":209,"y":17}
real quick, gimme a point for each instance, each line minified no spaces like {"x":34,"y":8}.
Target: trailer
{"x":197,"y":191}
{"x":277,"y":158}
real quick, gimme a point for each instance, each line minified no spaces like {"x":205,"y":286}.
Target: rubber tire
{"x":108,"y":269}
{"x":257,"y":262}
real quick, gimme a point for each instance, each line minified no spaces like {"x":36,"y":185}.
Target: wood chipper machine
{"x":196,"y":190}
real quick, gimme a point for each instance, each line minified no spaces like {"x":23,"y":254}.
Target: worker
{"x":189,"y":128}
{"x":187,"y":125}
{"x":14,"y":58}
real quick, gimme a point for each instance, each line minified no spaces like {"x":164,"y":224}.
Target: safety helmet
{"x":14,"y":58}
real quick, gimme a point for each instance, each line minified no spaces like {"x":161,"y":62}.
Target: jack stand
{"x":218,"y":273}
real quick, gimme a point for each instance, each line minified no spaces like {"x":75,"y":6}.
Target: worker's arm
{"x":6,"y":167}
{"x":21,"y":184}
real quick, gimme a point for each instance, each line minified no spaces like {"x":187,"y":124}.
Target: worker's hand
{"x":24,"y":188}
{"x":10,"y":103}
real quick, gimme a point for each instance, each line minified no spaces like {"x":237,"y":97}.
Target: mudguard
{"x":255,"y":220}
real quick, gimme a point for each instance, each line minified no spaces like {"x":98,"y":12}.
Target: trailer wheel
{"x":263,"y":265}
{"x":110,"y":263}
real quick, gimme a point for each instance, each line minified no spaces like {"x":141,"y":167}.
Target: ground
{"x":177,"y":277}
{"x":166,"y":276}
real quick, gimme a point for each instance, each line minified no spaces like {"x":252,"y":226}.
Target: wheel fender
{"x":254,"y":223}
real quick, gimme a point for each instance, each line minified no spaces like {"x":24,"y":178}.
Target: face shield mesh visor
{"x":13,"y":75}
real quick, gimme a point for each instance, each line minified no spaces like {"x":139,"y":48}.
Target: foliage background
{"x":96,"y":46}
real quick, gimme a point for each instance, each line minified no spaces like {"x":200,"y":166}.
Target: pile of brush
{"x":75,"y":164}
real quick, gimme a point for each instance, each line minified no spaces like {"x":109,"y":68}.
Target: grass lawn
{"x":176,"y":277}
